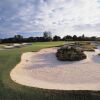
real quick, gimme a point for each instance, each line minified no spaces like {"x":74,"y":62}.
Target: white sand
{"x":43,"y":70}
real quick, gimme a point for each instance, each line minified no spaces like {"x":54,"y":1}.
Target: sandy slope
{"x":42,"y":69}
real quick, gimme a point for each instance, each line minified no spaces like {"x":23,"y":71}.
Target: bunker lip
{"x":42,"y":69}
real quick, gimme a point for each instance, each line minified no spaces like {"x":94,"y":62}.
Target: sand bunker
{"x":43,"y":70}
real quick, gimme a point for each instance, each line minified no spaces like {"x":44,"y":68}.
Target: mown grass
{"x":13,"y":91}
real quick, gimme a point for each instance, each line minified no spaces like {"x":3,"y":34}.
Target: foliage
{"x":80,"y":38}
{"x":56,"y":38}
{"x":86,"y":46}
{"x":70,"y":54}
{"x":47,"y":36}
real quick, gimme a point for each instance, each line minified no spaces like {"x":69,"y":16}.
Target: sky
{"x":61,"y":17}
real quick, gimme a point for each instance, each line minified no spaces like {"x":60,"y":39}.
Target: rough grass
{"x":12,"y":91}
{"x":1,"y":46}
{"x":87,"y":46}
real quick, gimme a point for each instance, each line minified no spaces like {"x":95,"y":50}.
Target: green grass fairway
{"x":13,"y":91}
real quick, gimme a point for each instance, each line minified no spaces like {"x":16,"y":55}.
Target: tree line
{"x":47,"y":36}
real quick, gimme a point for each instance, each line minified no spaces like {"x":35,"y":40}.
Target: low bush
{"x":70,"y":54}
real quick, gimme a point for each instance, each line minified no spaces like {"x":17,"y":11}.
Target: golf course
{"x":49,"y":49}
{"x":9,"y":90}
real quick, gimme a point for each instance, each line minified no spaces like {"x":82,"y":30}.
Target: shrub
{"x":70,"y":54}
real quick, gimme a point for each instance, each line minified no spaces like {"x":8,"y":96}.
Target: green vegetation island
{"x":70,"y":54}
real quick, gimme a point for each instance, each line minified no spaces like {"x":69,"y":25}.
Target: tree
{"x":83,"y":36}
{"x":18,"y":38}
{"x":67,"y":38}
{"x":47,"y":36}
{"x":56,"y":38}
{"x":93,"y":38}
{"x":75,"y":38}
